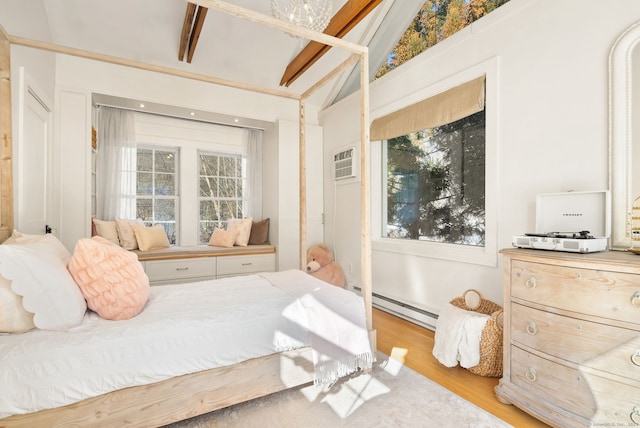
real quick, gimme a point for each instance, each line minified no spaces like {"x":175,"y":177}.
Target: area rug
{"x":391,"y":395}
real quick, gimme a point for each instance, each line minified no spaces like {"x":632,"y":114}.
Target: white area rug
{"x":392,"y":395}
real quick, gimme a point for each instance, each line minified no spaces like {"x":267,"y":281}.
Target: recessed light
{"x":141,"y":105}
{"x":236,"y":120}
{"x":193,"y":113}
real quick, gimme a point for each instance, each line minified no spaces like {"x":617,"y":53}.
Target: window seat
{"x":192,"y":251}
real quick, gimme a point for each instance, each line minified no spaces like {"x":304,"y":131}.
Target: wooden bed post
{"x":303,"y":189}
{"x":365,"y":195}
{"x":6,"y":169}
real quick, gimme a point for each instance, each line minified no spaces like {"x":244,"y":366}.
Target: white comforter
{"x":183,"y":329}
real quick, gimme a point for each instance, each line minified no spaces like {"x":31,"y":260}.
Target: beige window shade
{"x":446,"y":107}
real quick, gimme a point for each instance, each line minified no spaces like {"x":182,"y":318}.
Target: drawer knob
{"x":635,"y":299}
{"x":531,"y":282}
{"x":531,"y":375}
{"x":635,"y":415}
{"x":532,"y":328}
{"x":635,"y":357}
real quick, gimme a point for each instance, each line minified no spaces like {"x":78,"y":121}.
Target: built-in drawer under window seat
{"x":178,"y":264}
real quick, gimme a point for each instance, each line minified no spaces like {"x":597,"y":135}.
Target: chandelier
{"x":312,"y":14}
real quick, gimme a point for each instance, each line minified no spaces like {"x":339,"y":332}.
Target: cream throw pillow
{"x":126,"y":234}
{"x":222,"y":238}
{"x":107,"y":229}
{"x":243,"y":229}
{"x":14,"y":318}
{"x":151,"y":237}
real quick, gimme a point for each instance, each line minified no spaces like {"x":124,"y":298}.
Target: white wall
{"x":551,"y":130}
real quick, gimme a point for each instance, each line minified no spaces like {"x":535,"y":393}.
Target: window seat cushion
{"x":178,"y":252}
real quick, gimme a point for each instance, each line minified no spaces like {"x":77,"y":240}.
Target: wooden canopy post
{"x":303,"y":188}
{"x":6,"y":167}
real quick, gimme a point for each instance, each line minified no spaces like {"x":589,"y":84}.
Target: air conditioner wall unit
{"x":344,"y":164}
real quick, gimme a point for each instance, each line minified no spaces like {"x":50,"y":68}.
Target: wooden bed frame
{"x":194,"y":394}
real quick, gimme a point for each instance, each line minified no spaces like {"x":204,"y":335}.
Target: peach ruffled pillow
{"x":222,"y":238}
{"x":111,"y":279}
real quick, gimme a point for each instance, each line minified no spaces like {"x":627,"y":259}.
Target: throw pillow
{"x":259,"y":232}
{"x":126,"y":234}
{"x":242,"y":227}
{"x":107,"y":229}
{"x":110,"y":278}
{"x":38,"y":271}
{"x":222,"y":238}
{"x":151,"y":237}
{"x":13,"y":316}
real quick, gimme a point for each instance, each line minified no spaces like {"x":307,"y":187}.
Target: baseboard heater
{"x":403,"y":310}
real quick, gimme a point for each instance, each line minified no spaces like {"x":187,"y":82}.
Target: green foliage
{"x":436,"y":20}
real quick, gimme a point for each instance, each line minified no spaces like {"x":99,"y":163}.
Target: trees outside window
{"x":435,"y":183}
{"x":436,"y":20}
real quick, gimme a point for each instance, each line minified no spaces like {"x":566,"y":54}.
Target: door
{"x":33,"y":151}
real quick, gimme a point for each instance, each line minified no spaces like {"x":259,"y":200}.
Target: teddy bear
{"x":320,"y":264}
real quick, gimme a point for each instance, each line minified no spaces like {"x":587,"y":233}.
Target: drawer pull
{"x":635,"y":299}
{"x":635,"y":358}
{"x":531,"y":375}
{"x":247,"y":264}
{"x":531,"y":282}
{"x":635,"y":415}
{"x":532,"y":328}
{"x":182,"y":268}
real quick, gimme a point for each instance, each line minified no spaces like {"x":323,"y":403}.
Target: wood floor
{"x":412,"y":345}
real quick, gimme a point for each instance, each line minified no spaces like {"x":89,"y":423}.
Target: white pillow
{"x":38,"y":271}
{"x":241,"y":227}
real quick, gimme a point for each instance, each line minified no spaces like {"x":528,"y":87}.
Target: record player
{"x":576,"y":222}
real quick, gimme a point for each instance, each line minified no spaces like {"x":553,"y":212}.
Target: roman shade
{"x":445,"y":107}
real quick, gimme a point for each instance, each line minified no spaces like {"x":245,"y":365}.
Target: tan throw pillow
{"x":107,"y":229}
{"x":111,"y":279}
{"x":222,"y":238}
{"x":126,"y":234}
{"x":242,"y":227}
{"x":151,"y":237}
{"x":259,"y":232}
{"x":14,"y":318}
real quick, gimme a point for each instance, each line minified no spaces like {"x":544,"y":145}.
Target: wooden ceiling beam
{"x":186,"y":30}
{"x":191,"y":30}
{"x":347,"y":17}
{"x":195,"y":33}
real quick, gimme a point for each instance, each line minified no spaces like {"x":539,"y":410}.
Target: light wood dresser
{"x":572,"y":337}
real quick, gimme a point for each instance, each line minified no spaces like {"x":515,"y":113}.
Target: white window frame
{"x":487,"y":255}
{"x":189,"y":137}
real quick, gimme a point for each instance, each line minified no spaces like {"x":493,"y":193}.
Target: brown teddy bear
{"x":320,"y":264}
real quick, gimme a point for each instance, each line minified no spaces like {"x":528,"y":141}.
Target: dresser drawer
{"x":181,"y":270}
{"x":544,"y":379}
{"x":596,"y":345}
{"x":602,"y":293}
{"x":242,"y":265}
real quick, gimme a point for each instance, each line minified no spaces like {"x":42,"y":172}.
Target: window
{"x":220,"y":191}
{"x":435,"y":183}
{"x":436,"y":20}
{"x":157,"y":188}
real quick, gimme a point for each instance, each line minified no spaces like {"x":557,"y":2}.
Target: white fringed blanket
{"x":185,"y":328}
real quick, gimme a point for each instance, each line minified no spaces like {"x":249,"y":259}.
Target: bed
{"x":179,"y":396}
{"x":287,"y":328}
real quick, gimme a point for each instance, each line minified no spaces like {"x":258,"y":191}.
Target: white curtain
{"x":115,"y":164}
{"x":253,"y":138}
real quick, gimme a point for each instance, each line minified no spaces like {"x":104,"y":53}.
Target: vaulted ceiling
{"x":231,"y":48}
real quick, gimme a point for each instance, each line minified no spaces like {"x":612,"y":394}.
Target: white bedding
{"x":183,"y":329}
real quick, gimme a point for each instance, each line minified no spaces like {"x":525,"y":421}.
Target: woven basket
{"x":490,"y":364}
